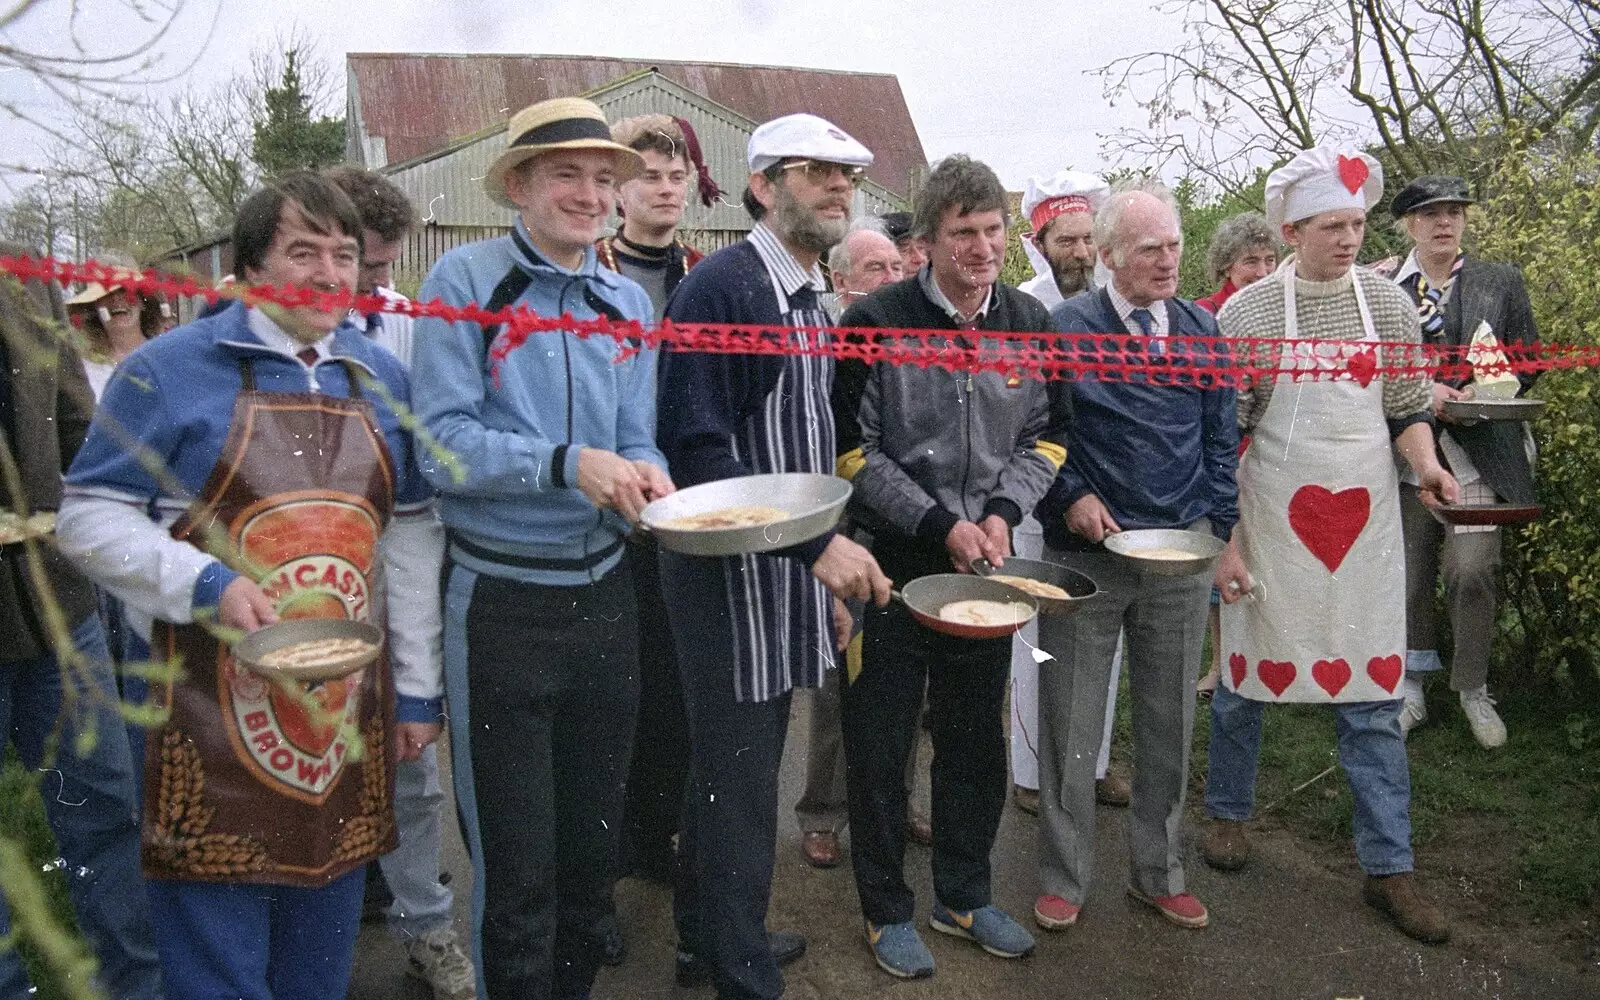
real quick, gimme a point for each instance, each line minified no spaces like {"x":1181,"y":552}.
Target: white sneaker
{"x":1415,"y":712}
{"x":437,"y":958}
{"x":1487,"y":728}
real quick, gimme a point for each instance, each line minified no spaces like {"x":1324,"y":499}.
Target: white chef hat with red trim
{"x":1324,"y":179}
{"x":1056,"y":195}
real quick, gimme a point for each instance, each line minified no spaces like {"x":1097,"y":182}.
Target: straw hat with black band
{"x":561,"y":123}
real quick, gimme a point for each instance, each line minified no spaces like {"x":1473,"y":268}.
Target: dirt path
{"x":1291,"y":925}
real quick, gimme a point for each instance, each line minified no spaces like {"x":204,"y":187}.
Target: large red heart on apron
{"x":1276,"y":675}
{"x":1331,"y":675}
{"x":1328,"y":523}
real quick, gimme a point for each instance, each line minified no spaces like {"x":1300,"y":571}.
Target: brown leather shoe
{"x":820,"y":848}
{"x":1026,"y":799}
{"x":1113,"y":790}
{"x":919,"y":828}
{"x":1399,"y":897}
{"x":1227,"y":846}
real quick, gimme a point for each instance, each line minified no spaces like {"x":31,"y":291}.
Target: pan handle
{"x":1258,"y":590}
{"x":981,"y":567}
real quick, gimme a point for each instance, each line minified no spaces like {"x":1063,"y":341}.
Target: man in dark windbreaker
{"x":947,"y":464}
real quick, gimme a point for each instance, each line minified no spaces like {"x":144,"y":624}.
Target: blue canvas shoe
{"x":899,"y":950}
{"x":991,"y":927}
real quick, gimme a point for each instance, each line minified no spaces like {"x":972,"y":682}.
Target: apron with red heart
{"x":1319,"y":529}
{"x":257,"y":780}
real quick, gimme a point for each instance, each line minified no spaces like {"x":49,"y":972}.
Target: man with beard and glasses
{"x":1061,"y":211}
{"x":751,"y":628}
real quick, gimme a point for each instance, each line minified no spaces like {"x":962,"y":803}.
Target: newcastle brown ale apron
{"x":256,"y":780}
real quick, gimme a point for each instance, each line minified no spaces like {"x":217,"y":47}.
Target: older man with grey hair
{"x":864,"y":261}
{"x":1186,"y":437}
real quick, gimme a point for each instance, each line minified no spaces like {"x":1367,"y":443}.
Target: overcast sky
{"x":1007,"y":82}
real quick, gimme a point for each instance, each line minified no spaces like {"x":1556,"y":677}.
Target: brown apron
{"x":247,"y":780}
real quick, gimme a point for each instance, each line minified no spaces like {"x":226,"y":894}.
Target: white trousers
{"x":1029,"y":544}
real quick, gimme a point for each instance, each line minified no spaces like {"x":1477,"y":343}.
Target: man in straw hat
{"x":751,"y":628}
{"x":554,"y":459}
{"x":1319,"y":523}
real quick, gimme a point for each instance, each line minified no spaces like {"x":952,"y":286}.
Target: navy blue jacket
{"x":704,"y":399}
{"x":1158,"y":456}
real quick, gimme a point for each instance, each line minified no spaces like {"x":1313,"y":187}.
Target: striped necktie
{"x":1429,"y":300}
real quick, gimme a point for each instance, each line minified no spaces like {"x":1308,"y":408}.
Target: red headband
{"x":1052,"y":207}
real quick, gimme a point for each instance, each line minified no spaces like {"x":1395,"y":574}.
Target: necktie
{"x":1146,"y":321}
{"x":1429,"y":309}
{"x":307,"y":356}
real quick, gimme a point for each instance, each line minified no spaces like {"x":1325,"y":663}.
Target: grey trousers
{"x":1165,"y":618}
{"x":823,"y":807}
{"x":1470,"y":562}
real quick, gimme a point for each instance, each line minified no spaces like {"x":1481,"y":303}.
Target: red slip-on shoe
{"x":1182,"y":909}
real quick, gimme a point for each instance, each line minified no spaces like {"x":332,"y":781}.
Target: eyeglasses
{"x":821,"y":171}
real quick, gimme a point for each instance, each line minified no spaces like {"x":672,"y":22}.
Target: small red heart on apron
{"x":1328,"y":523}
{"x":1239,"y":666}
{"x":1331,"y":675}
{"x":1363,"y":367}
{"x":1385,"y":671}
{"x":1353,"y":173}
{"x":1277,"y":676}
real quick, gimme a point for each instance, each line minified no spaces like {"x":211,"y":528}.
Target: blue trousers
{"x":233,"y":941}
{"x":1371,"y":749}
{"x":89,"y":802}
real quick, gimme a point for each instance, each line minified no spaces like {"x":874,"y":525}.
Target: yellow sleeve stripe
{"x":853,"y":461}
{"x":1053,"y":453}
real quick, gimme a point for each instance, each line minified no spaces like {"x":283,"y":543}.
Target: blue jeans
{"x":237,"y":941}
{"x":89,"y":802}
{"x":1371,"y":749}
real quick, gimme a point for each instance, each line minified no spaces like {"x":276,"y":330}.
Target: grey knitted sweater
{"x":1327,"y":311}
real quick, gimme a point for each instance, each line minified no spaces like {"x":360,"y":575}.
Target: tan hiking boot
{"x":1227,"y":846}
{"x":1399,"y":897}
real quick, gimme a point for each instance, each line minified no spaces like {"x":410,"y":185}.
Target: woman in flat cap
{"x":1461,"y":302}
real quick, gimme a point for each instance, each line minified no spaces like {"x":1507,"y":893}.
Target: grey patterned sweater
{"x":1327,"y":311}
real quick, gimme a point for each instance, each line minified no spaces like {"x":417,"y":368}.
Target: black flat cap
{"x":897,"y":226}
{"x":1430,"y":190}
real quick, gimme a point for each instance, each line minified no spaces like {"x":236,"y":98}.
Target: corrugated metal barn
{"x":434,"y":123}
{"x":446,"y":185}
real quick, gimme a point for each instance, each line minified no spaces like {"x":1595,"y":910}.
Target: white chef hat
{"x":804,"y":137}
{"x":1058,"y":194}
{"x":1324,"y":179}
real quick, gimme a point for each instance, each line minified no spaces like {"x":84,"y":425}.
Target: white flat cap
{"x":804,"y":137}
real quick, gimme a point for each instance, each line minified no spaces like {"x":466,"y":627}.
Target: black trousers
{"x":660,"y":767}
{"x":552,"y":698}
{"x":723,"y":878}
{"x":966,"y":685}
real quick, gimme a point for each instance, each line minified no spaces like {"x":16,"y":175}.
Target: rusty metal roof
{"x":416,"y":103}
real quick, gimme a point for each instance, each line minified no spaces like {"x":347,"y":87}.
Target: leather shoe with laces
{"x":1113,"y":790}
{"x":785,"y":946}
{"x":1398,"y":897}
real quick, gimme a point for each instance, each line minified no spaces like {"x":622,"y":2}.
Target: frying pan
{"x":1489,"y":513}
{"x":249,"y":650}
{"x":925,"y":595}
{"x":1205,"y":548}
{"x":1521,"y":408}
{"x":813,"y":501}
{"x":1079,"y":588}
